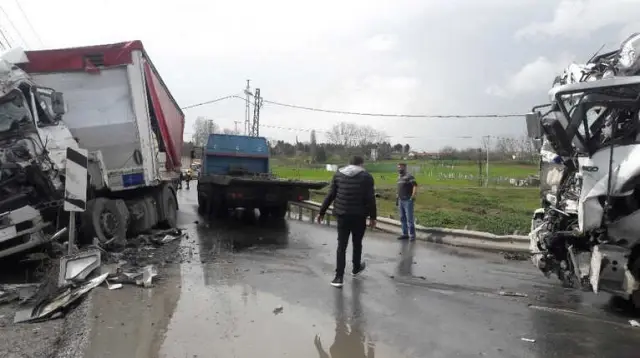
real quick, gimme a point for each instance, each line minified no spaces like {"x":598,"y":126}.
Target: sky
{"x":444,"y":57}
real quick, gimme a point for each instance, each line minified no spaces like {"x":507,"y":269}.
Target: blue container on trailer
{"x":226,"y":151}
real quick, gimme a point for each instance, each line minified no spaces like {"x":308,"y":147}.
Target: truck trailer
{"x":235,"y":174}
{"x":107,"y":99}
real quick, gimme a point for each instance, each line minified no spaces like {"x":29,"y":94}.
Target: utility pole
{"x":255,"y":126}
{"x":247,"y":113}
{"x":479,"y":166}
{"x":488,"y":146}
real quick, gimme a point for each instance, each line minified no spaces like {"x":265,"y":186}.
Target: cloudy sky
{"x":385,"y":56}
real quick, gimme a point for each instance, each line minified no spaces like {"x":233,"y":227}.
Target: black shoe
{"x":337,"y":282}
{"x":403,"y":237}
{"x":355,"y":272}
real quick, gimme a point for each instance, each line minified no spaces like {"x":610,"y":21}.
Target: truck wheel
{"x":202,"y":205}
{"x":167,"y":206}
{"x":106,"y":220}
{"x":279,"y":212}
{"x":264,"y":212}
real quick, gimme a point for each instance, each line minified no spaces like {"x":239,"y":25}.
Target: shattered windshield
{"x":597,"y":119}
{"x":12,"y":112}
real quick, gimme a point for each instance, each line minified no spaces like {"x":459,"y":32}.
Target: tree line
{"x":345,"y":139}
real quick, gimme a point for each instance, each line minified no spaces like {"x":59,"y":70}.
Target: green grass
{"x":452,"y":203}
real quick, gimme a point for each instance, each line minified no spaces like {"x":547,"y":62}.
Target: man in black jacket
{"x":352,"y":192}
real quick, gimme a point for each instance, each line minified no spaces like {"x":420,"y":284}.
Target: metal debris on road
{"x":528,"y":340}
{"x":634,"y":323}
{"x":19,"y":292}
{"x":140,"y":276}
{"x":78,"y":266}
{"x":50,"y":307}
{"x":512,"y":294}
{"x":114,"y":286}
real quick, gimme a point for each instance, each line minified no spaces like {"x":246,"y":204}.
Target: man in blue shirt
{"x":406,"y":196}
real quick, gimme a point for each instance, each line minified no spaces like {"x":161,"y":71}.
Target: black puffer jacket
{"x":352,"y":193}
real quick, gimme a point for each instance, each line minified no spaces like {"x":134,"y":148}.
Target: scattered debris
{"x":516,"y":256}
{"x":528,"y":340}
{"x":78,"y":266}
{"x":634,"y":323}
{"x":512,"y":294}
{"x":141,"y":276}
{"x":20,"y":292}
{"x":114,"y":286}
{"x":64,"y":298}
{"x":278,"y":310}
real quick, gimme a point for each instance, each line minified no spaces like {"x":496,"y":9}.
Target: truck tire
{"x":106,"y":220}
{"x":279,"y":212}
{"x":168,"y":207}
{"x":202,"y":205}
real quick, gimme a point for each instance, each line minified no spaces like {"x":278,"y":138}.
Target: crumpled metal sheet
{"x":49,"y":307}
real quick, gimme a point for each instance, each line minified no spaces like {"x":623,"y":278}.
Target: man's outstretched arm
{"x":331,"y":196}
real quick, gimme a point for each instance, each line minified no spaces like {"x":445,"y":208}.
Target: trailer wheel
{"x":202,"y":205}
{"x":279,"y":212}
{"x":106,"y":220}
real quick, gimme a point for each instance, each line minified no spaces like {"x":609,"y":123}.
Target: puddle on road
{"x":238,"y":321}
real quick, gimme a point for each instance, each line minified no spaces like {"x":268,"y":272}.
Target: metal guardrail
{"x":454,"y":237}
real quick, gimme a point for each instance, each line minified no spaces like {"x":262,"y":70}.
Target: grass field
{"x":449,"y":202}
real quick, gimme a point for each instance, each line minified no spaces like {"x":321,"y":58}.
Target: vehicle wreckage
{"x":587,"y":231}
{"x":116,"y":106}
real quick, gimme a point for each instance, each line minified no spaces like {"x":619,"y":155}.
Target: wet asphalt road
{"x":255,"y":289}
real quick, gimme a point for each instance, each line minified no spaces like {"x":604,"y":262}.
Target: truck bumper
{"x":609,"y":271}
{"x":23,"y":230}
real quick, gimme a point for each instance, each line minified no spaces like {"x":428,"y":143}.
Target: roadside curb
{"x":454,"y":237}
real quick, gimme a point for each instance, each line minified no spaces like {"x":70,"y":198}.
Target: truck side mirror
{"x":57,"y":103}
{"x":534,"y":125}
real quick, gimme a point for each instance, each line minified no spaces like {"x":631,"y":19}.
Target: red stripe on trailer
{"x":169,"y":118}
{"x":74,"y":58}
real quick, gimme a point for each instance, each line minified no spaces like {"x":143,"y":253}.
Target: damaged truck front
{"x":118,"y":108}
{"x":31,"y":187}
{"x":587,"y":231}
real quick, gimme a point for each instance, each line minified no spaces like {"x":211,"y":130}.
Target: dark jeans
{"x":354,"y":226}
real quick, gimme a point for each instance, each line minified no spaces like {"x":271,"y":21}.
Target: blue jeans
{"x":406,"y":218}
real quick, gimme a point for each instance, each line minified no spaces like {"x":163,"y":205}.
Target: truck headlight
{"x":628,"y":60}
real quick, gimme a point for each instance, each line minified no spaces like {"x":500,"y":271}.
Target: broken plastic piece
{"x":512,"y":294}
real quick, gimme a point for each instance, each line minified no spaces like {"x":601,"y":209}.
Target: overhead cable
{"x":367,"y":114}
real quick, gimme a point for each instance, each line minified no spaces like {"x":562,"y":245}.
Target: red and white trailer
{"x":118,"y":108}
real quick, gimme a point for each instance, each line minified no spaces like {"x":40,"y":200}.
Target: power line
{"x":24,"y":14}
{"x":394,"y":115}
{"x":212,"y":101}
{"x":367,"y":114}
{"x":14,"y":26}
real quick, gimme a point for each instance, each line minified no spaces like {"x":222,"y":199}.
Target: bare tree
{"x":229,"y":131}
{"x":201,"y":130}
{"x":344,"y":134}
{"x":352,"y":135}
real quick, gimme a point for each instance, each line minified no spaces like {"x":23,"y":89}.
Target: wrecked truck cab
{"x":587,"y":230}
